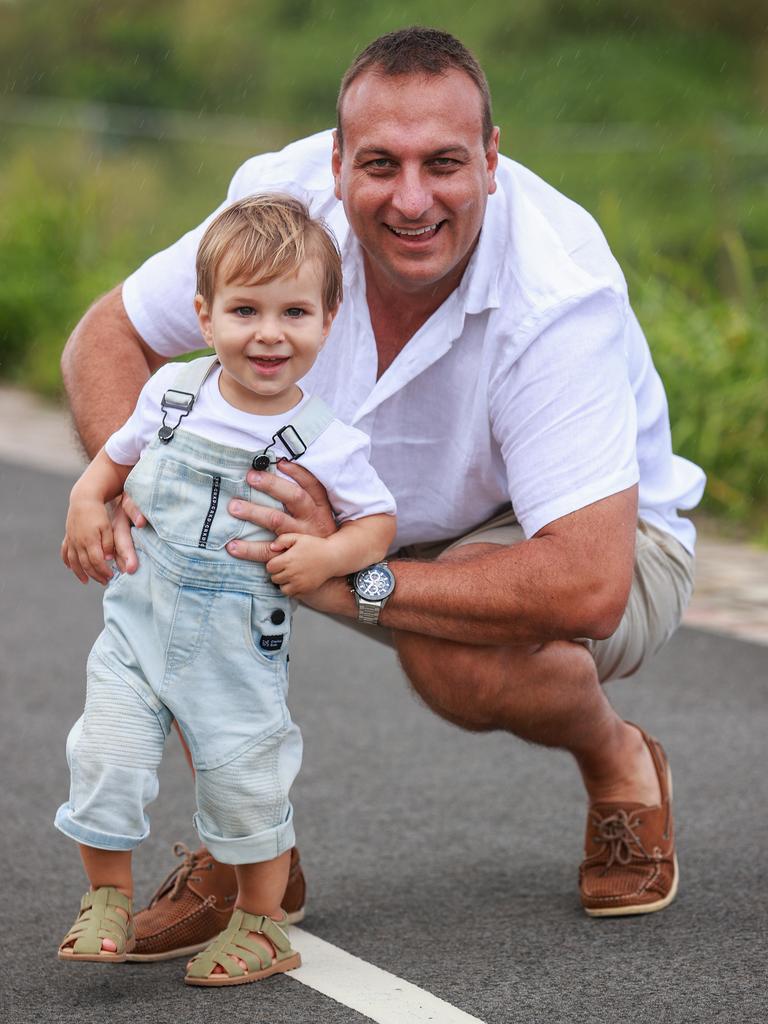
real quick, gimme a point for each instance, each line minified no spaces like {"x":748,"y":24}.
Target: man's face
{"x":415,"y":175}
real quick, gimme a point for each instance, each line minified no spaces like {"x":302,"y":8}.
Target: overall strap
{"x":303,"y":430}
{"x":182,"y":396}
{"x":306,"y":426}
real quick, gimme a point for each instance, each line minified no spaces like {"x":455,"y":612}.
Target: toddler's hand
{"x":88,"y":544}
{"x":301,"y":564}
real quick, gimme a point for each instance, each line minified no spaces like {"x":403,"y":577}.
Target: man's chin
{"x":419,"y":274}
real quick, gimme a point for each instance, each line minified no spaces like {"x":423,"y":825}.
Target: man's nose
{"x":412,"y":196}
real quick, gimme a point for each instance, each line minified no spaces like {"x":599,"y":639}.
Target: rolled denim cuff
{"x":253,"y":849}
{"x":90,"y":837}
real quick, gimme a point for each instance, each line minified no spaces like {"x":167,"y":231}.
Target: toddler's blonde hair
{"x":263,"y":237}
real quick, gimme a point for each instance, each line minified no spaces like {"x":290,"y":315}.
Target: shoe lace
{"x":616,"y":832}
{"x":177,"y":879}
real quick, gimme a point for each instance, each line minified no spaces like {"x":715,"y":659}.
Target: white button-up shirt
{"x":532,"y":383}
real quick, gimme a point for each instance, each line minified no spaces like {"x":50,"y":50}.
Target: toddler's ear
{"x":204,"y":318}
{"x":328,"y":319}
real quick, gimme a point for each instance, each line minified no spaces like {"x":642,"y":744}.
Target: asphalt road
{"x":446,"y":859}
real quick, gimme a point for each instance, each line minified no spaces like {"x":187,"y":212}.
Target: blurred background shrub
{"x":123,"y":122}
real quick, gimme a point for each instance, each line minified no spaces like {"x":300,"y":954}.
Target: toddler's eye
{"x":245,"y":311}
{"x":294,"y":312}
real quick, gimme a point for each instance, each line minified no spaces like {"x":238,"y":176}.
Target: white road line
{"x":376,"y":994}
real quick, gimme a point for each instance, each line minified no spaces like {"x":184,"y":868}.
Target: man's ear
{"x":204,"y":319}
{"x":492,"y":160}
{"x":336,"y":166}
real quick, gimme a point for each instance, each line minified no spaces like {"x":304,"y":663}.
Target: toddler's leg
{"x":260,"y":887}
{"x":113,"y":752}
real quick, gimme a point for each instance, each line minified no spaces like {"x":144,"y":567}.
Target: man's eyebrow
{"x":457,"y":150}
{"x":378,"y":151}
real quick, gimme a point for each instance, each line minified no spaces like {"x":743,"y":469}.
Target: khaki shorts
{"x":661,"y":589}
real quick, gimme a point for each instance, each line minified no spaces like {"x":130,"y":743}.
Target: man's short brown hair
{"x":417,"y":51}
{"x":263,"y":237}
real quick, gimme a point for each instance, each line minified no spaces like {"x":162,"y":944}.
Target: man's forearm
{"x":104,"y":366}
{"x":570,"y":580}
{"x":474,"y":602}
{"x":509,"y":596}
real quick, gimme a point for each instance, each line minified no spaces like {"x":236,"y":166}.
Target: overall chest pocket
{"x":190,"y":508}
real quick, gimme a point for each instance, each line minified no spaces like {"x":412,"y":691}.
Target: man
{"x":490,"y":351}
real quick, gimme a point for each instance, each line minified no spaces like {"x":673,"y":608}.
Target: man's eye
{"x":245,"y":311}
{"x":295,"y":311}
{"x":381,"y":163}
{"x":444,"y":163}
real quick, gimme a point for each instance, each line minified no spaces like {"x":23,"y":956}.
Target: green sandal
{"x":99,"y":919}
{"x":234,"y":941}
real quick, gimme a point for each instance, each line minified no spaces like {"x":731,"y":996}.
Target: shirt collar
{"x":478,"y":289}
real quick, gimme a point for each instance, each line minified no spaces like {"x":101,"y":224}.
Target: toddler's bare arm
{"x":302,"y":563}
{"x":88,"y":542}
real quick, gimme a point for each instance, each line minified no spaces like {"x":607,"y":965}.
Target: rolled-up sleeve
{"x":564,"y":414}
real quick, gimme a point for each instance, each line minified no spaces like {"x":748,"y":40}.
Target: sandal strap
{"x":235,"y":941}
{"x":106,"y":896}
{"x":99,"y":919}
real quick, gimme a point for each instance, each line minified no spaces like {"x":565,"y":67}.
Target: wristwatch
{"x":372,"y":588}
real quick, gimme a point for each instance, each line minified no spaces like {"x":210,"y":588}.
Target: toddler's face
{"x":267,"y":336}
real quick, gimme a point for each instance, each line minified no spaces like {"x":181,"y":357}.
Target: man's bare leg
{"x":549,"y":695}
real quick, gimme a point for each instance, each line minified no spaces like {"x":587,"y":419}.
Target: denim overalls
{"x":196,"y":635}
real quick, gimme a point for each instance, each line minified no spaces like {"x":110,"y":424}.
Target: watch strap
{"x":368,"y":611}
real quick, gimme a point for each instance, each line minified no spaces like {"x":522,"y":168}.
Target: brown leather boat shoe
{"x":194,"y":904}
{"x":630,"y":865}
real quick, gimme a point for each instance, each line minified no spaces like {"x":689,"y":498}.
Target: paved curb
{"x":731,"y":594}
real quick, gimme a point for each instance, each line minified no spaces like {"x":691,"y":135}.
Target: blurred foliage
{"x":647,"y":112}
{"x":712,"y":355}
{"x":572,"y":59}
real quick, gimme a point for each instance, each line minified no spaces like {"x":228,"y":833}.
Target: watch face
{"x":374,"y":583}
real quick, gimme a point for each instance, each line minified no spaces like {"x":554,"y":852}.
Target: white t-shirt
{"x":532,"y":383}
{"x":338,"y":457}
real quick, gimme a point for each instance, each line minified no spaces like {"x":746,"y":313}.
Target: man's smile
{"x":422,"y":233}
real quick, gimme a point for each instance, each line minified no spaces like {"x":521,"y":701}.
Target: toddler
{"x":195,"y":634}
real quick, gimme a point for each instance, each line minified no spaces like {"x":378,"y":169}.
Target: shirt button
{"x":277,"y":616}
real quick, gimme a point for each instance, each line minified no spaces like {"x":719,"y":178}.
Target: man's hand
{"x":307,"y":510}
{"x":88,"y":543}
{"x":300,"y":563}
